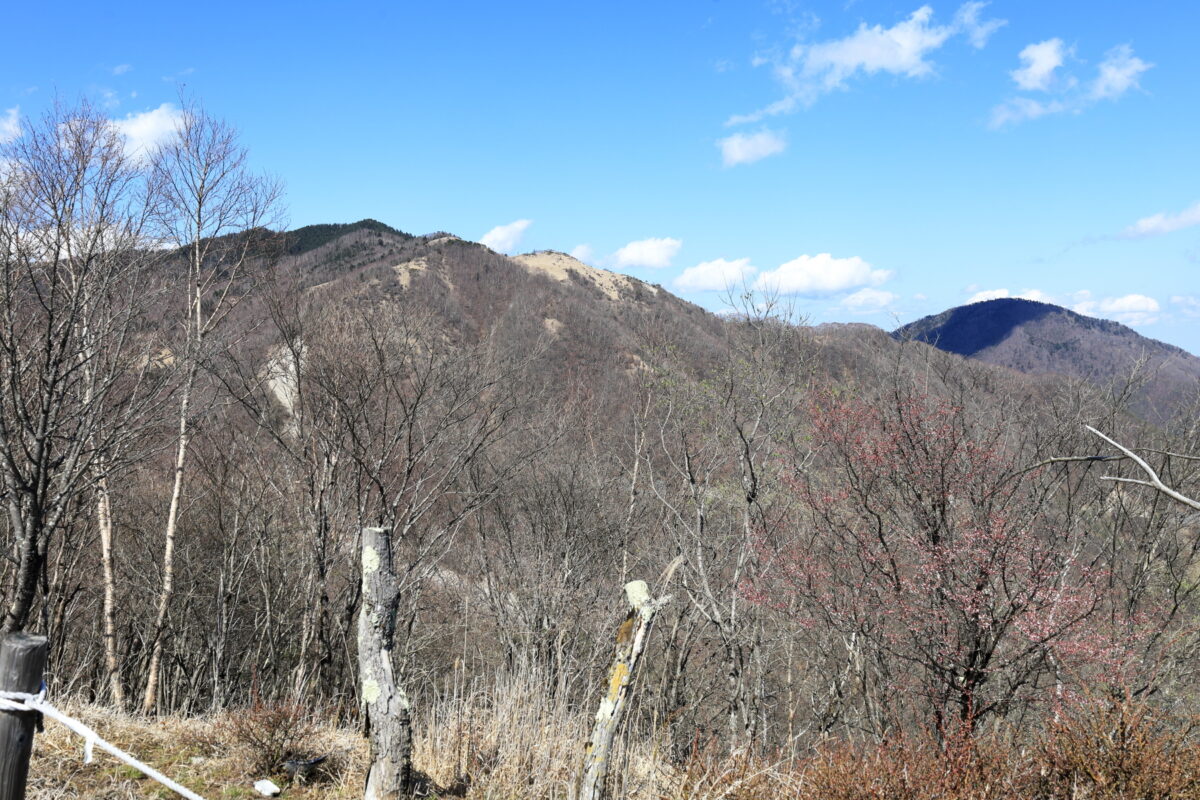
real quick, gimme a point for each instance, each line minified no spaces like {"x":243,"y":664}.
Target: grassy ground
{"x":195,"y":752}
{"x":527,"y":747}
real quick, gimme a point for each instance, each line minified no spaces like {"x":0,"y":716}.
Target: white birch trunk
{"x":112,"y":663}
{"x":150,"y":695}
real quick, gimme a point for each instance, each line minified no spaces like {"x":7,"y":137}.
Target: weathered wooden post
{"x":387,"y":713}
{"x":631,"y":641}
{"x":22,"y":663}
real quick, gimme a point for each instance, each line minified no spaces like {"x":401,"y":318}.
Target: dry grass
{"x":193,"y":752}
{"x":512,"y":741}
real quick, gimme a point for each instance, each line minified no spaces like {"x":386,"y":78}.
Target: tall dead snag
{"x":387,"y":712}
{"x":631,"y":641}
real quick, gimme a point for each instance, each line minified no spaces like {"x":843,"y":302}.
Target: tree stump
{"x":387,"y":712}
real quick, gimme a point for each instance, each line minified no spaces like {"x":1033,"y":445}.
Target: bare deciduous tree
{"x":74,"y":375}
{"x":214,"y":209}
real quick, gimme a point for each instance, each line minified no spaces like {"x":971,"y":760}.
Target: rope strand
{"x":22,"y":701}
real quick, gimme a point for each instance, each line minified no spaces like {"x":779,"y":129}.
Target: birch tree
{"x":216,"y":211}
{"x":75,"y":377}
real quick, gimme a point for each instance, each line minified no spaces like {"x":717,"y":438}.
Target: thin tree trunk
{"x":150,"y":694}
{"x":112,"y":664}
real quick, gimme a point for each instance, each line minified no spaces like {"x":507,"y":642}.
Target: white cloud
{"x":1040,"y":61}
{"x":821,"y":274}
{"x":505,"y":238}
{"x":121,"y":69}
{"x":996,"y":294}
{"x":1119,"y":72}
{"x":1131,"y":309}
{"x":10,"y":124}
{"x":977,"y":31}
{"x":146,"y":131}
{"x":742,"y":148}
{"x":582,"y":252}
{"x":1188,"y":305}
{"x":900,"y":50}
{"x":810,"y":70}
{"x":987,"y":294}
{"x":868,"y":300}
{"x":1036,"y":294}
{"x":1020,"y":109}
{"x":716,"y":276}
{"x":653,"y":253}
{"x":1158,"y":224}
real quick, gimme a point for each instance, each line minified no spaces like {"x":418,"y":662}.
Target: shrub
{"x":1102,"y":749}
{"x":269,"y":734}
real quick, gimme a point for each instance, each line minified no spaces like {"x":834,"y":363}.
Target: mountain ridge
{"x":1039,"y":338}
{"x":606,"y":324}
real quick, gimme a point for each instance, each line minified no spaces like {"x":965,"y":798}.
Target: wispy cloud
{"x":1187,"y":305}
{"x":121,"y":69}
{"x":653,"y":253}
{"x":1119,"y":72}
{"x":1039,"y":61}
{"x":718,"y":275}
{"x":505,"y":238}
{"x":869,"y":301}
{"x":904,"y":49}
{"x":996,"y":294}
{"x":183,"y":73}
{"x":145,"y":131}
{"x":582,"y":252}
{"x":1131,"y":309}
{"x":1162,"y":223}
{"x":746,"y":148}
{"x":820,"y":275}
{"x":10,"y":124}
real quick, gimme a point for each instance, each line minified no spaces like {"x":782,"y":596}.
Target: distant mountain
{"x":594,"y":332}
{"x":1041,"y":338}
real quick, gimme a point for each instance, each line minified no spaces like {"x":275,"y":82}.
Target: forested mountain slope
{"x":1041,"y":338}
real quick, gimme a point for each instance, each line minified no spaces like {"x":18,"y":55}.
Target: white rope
{"x":22,"y":701}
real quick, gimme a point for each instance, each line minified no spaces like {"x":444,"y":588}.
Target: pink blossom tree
{"x":943,"y":566}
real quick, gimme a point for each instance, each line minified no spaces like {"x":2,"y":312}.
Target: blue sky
{"x":871,"y":160}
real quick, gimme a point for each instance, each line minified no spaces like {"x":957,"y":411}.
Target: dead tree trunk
{"x":631,"y":641}
{"x":387,"y":713}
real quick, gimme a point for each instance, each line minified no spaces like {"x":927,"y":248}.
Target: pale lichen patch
{"x":370,"y":559}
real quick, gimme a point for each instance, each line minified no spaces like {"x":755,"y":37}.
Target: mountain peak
{"x":1039,"y":338}
{"x":967,"y":330}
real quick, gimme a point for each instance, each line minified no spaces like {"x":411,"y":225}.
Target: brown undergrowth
{"x":511,"y":741}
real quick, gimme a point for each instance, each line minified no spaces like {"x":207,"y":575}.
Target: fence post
{"x":22,"y":662}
